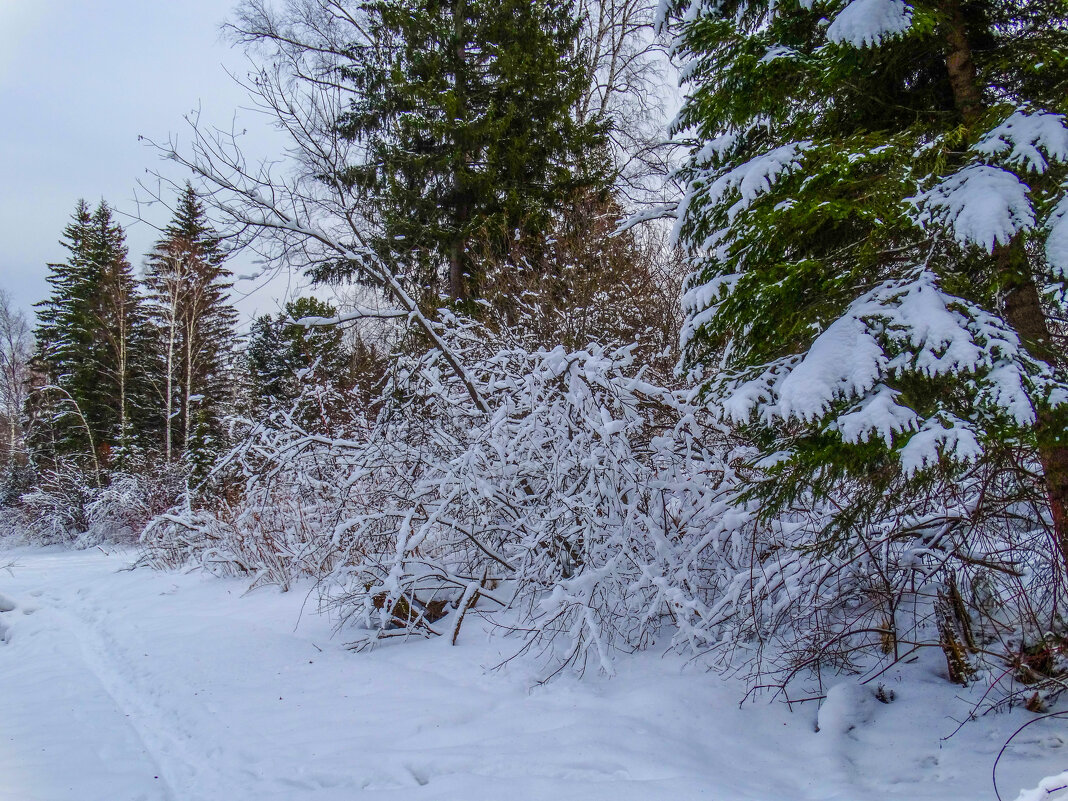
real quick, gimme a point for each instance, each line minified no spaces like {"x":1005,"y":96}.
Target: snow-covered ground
{"x":135,"y":685}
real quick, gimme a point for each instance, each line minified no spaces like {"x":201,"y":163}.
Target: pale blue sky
{"x":79,"y":81}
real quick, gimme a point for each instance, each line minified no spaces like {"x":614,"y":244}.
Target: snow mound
{"x":865,"y":23}
{"x":847,"y":706}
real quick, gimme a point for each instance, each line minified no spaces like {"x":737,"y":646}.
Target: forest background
{"x":785,"y":389}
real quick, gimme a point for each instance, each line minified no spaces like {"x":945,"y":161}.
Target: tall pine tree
{"x":465,"y":112}
{"x":120,"y":346}
{"x":91,"y":346}
{"x":62,"y":335}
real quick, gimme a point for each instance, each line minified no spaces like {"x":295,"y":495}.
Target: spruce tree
{"x":194,"y":333}
{"x":118,"y":397}
{"x":285,"y":357}
{"x":91,"y":345}
{"x":267,"y":354}
{"x":876,"y":205}
{"x":464,"y":110}
{"x":62,"y":336}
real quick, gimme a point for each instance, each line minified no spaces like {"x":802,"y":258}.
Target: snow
{"x":776,"y":52}
{"x":981,"y":205}
{"x":957,"y":440}
{"x":1020,"y":140}
{"x":865,"y":23}
{"x":1057,"y":239}
{"x":756,"y":176}
{"x":1052,"y":788}
{"x":936,"y":335}
{"x":908,"y":326}
{"x":879,"y":414}
{"x":140,"y":685}
{"x":848,"y":704}
{"x":844,"y":359}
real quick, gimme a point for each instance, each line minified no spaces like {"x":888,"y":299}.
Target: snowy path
{"x":140,"y":686}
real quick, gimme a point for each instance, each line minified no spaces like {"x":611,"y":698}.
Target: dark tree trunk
{"x":1022,"y":303}
{"x":459,"y":272}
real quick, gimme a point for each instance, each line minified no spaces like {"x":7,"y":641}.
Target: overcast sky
{"x":79,"y":81}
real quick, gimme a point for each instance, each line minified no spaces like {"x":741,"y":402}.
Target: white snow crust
{"x":980,"y":205}
{"x":1021,"y":139}
{"x":865,"y":23}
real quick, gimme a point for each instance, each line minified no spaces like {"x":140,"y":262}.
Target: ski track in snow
{"x":141,"y":686}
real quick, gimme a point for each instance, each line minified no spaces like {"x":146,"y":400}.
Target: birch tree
{"x":15,"y":351}
{"x":194,"y":330}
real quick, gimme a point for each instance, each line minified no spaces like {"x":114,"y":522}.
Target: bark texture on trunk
{"x":961,"y":66}
{"x":1022,"y":302}
{"x":459,"y":257}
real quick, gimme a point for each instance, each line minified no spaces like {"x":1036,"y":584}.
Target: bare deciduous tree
{"x":629,"y":89}
{"x":300,"y":212}
{"x":16,"y":343}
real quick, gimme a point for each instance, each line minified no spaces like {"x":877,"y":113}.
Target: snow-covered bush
{"x":275,"y":503}
{"x":119,"y":511}
{"x":56,"y":509}
{"x":66,"y":506}
{"x":966,"y":568}
{"x":588,"y":502}
{"x":598,"y":508}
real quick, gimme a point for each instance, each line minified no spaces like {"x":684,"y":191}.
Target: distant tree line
{"x":128,"y":374}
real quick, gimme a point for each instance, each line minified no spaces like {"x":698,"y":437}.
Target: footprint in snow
{"x":6,"y":605}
